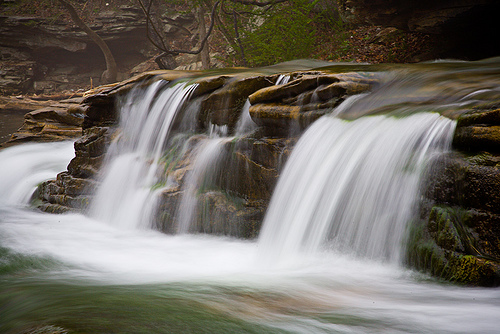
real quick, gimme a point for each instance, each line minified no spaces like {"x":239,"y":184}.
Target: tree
{"x":155,"y":36}
{"x":264,"y":32}
{"x":111,"y":72}
{"x":260,"y":32}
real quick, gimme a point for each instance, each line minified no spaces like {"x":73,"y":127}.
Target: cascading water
{"x":353,"y":184}
{"x":126,"y":196}
{"x":207,"y":155}
{"x":27,"y":166}
{"x":353,"y":190}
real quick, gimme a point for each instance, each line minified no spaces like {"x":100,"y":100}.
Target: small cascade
{"x":245,"y":123}
{"x":206,"y":157}
{"x":352,"y":185}
{"x":282,"y":79}
{"x":126,"y":196}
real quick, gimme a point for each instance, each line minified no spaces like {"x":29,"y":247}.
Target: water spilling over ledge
{"x":202,"y":153}
{"x":285,"y":198}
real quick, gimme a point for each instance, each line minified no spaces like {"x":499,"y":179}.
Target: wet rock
{"x":478,"y":138}
{"x":64,"y":194}
{"x":232,"y":203}
{"x":458,"y":236}
{"x":479,"y":117}
{"x":297,"y":104}
{"x":89,"y":152}
{"x":223,"y":106}
{"x":478,"y":131}
{"x":450,"y":249}
{"x":209,"y":84}
{"x":469,"y":182}
{"x":166,"y":218}
{"x":224,"y":214}
{"x":293,"y":88}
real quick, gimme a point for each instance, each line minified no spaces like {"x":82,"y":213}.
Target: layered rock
{"x":459,"y":236}
{"x":235,"y":202}
{"x":304,"y":99}
{"x":48,"y":54}
{"x":56,"y":120}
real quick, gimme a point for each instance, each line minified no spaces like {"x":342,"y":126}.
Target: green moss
{"x":444,"y":247}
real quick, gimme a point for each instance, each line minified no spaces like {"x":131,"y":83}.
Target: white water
{"x":24,"y":167}
{"x":282,"y":79}
{"x":352,"y":186}
{"x":325,"y":292}
{"x":334,"y":289}
{"x":207,"y":155}
{"x":245,"y":123}
{"x":126,"y":197}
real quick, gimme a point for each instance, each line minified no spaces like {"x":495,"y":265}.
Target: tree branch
{"x":168,"y":51}
{"x":111,"y":69}
{"x":149,"y":20}
{"x":202,"y":45}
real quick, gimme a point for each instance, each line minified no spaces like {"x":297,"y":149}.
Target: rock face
{"x":458,"y":238}
{"x":235,"y":201}
{"x":57,"y":56}
{"x":303,"y":100}
{"x":457,"y":23}
{"x":43,"y":55}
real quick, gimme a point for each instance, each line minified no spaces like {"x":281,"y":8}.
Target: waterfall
{"x":126,"y":197}
{"x":327,"y":259}
{"x":207,"y":155}
{"x":352,"y":185}
{"x":348,"y":185}
{"x":158,"y":124}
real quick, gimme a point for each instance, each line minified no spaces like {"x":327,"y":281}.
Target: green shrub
{"x":282,"y":33}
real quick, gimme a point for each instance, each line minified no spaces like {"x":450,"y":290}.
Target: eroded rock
{"x":297,"y":104}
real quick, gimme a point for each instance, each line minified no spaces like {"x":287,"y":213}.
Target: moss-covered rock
{"x":467,"y":181}
{"x":447,"y":248}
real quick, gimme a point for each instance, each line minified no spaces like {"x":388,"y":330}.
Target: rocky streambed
{"x":457,"y":236}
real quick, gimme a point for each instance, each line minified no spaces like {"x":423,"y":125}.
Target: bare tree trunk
{"x":205,"y":53}
{"x":167,"y":55}
{"x":111,"y":71}
{"x":164,"y":61}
